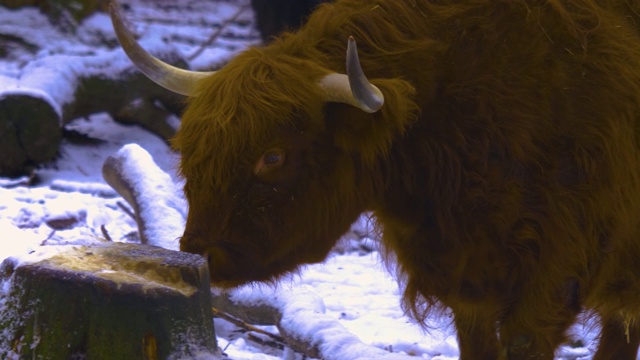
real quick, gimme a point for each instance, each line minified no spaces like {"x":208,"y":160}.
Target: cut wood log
{"x":106,"y":301}
{"x":55,"y":90}
{"x":50,"y":91}
{"x":61,"y":12}
{"x":150,"y":115}
{"x":30,"y":131}
{"x":86,"y":79}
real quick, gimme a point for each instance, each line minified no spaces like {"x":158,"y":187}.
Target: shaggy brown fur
{"x":503,"y":169}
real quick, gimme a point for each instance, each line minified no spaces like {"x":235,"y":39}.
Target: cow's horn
{"x":170,"y":77}
{"x":353,"y":88}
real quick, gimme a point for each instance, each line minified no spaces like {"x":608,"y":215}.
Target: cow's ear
{"x":372,"y":135}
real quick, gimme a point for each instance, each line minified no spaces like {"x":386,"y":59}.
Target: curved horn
{"x":170,"y":77}
{"x":353,"y":88}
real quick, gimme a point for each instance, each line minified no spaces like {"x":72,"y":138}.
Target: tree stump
{"x":106,"y":301}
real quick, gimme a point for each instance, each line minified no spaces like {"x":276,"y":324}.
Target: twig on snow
{"x":53,"y":232}
{"x":105,"y":233}
{"x":266,"y":342}
{"x":126,"y":209}
{"x":244,"y":325}
{"x":217,"y":33}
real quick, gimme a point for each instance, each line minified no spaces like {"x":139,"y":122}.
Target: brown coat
{"x":503,"y":169}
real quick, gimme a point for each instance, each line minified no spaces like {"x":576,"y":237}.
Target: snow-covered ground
{"x":72,"y":202}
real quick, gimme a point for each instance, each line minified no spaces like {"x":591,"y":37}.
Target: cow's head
{"x":272,"y":156}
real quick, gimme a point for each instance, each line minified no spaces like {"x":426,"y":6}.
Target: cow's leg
{"x":619,"y":339}
{"x":536,"y":325}
{"x":534,"y":343}
{"x":477,"y":336}
{"x":530,"y":335}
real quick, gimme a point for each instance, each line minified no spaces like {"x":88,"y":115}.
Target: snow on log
{"x":109,"y":300}
{"x":81,"y":69}
{"x":160,"y":211}
{"x":96,"y":189}
{"x":56,"y":89}
{"x":300,"y":316}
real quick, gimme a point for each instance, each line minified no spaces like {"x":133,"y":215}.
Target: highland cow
{"x":497,"y":145}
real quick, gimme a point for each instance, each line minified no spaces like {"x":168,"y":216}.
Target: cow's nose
{"x":192,"y":244}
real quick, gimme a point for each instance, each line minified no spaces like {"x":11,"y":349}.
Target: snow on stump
{"x":110,"y":300}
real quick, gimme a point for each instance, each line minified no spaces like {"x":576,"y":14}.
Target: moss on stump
{"x":109,"y":301}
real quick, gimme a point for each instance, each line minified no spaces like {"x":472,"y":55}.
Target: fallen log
{"x":61,"y":12}
{"x":158,"y":208}
{"x":54,"y":90}
{"x":299,"y":315}
{"x":92,"y":78}
{"x":30,"y":130}
{"x":108,"y":300}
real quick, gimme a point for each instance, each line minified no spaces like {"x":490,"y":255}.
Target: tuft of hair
{"x":242,"y":105}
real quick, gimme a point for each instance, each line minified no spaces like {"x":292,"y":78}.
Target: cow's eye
{"x":271,"y":159}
